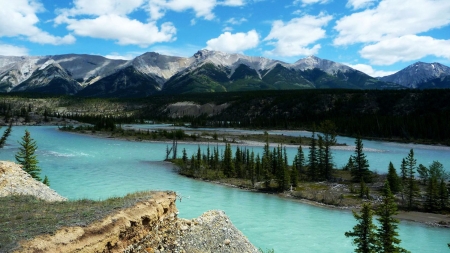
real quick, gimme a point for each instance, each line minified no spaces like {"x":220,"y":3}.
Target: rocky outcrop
{"x":151,"y":226}
{"x":15,"y":181}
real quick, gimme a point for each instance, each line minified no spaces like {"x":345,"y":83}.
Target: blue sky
{"x":377,"y":37}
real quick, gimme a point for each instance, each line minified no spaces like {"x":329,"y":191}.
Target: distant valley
{"x":205,"y":71}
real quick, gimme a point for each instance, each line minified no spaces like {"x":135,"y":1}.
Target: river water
{"x":80,"y":166}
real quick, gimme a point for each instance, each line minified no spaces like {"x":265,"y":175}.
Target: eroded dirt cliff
{"x":150,"y":226}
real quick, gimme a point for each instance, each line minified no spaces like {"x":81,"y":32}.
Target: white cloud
{"x":202,"y":8}
{"x":295,"y":37}
{"x":227,"y":29}
{"x":18,"y":19}
{"x":102,"y":7}
{"x":309,"y":2}
{"x":391,"y":19}
{"x":405,"y":48}
{"x":370,"y":71}
{"x":108,"y":19}
{"x":125,"y":31}
{"x":234,"y":43}
{"x":10,"y":50}
{"x":234,"y":21}
{"x":233,"y":2}
{"x":359,"y":4}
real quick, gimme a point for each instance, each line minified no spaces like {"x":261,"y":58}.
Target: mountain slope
{"x":437,"y":83}
{"x":50,"y":78}
{"x":128,"y":82}
{"x":415,"y":74}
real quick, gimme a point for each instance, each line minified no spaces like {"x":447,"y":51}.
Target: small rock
{"x":227,"y":242}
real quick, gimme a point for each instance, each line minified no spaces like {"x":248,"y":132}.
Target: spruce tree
{"x":26,"y":156}
{"x":412,"y":188}
{"x":361,"y":164}
{"x":387,"y":232}
{"x":364,"y":232}
{"x":320,"y":158}
{"x":46,"y":181}
{"x":393,"y":179}
{"x":300,"y":160}
{"x":312,"y":157}
{"x":329,"y":139}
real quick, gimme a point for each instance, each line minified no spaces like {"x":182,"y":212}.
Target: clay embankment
{"x":150,"y":226}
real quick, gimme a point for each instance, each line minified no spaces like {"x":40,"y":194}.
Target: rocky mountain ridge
{"x":205,"y":71}
{"x":418,"y":74}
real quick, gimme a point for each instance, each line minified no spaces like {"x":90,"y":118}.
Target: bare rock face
{"x":15,"y":181}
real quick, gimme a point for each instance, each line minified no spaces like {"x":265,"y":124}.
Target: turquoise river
{"x":81,"y":166}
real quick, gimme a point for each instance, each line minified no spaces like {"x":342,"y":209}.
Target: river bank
{"x":429,"y":219}
{"x":318,"y":194}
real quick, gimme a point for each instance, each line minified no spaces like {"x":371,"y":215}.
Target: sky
{"x":378,"y":37}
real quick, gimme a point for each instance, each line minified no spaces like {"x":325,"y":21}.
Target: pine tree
{"x":294,"y":173}
{"x":320,"y":158}
{"x":393,"y":179}
{"x":26,"y":156}
{"x":300,"y":160}
{"x":412,"y":188}
{"x":184,"y":155}
{"x":6,"y":135}
{"x":228,"y":166}
{"x":46,"y":181}
{"x":361,"y":164}
{"x":329,"y":139}
{"x":364,"y":232}
{"x":312,"y":157}
{"x":387,"y":232}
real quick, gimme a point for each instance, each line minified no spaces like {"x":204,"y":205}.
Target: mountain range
{"x":205,"y":71}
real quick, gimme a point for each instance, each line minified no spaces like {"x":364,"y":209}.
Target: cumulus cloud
{"x":108,"y":19}
{"x":18,"y":19}
{"x":202,"y":8}
{"x":369,"y":70}
{"x":234,"y":43}
{"x":308,"y":29}
{"x":10,"y":50}
{"x":122,"y":29}
{"x":359,"y":4}
{"x":405,"y":48}
{"x":391,"y":19}
{"x":102,"y":7}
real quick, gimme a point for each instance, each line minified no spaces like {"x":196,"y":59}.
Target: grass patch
{"x":25,"y":217}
